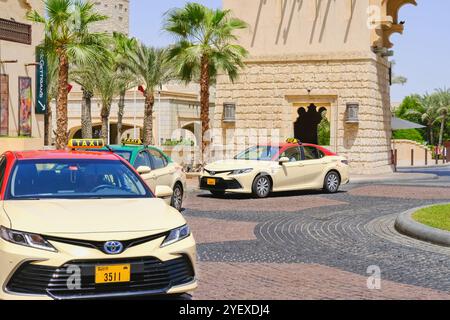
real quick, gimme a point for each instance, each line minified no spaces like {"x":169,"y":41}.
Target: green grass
{"x":436,"y":217}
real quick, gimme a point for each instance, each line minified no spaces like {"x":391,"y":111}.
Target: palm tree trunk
{"x":48,"y":124}
{"x":120,"y":116}
{"x":204,"y":104}
{"x":105,"y":122}
{"x":432,"y":136}
{"x":61,"y":102}
{"x":441,"y":134}
{"x":86,"y":115}
{"x":148,"y":117}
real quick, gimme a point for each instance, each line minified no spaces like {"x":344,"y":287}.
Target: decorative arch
{"x":389,"y":23}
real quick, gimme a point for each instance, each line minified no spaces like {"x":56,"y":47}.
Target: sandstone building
{"x":118,"y":13}
{"x":18,"y":41}
{"x":318,"y":54}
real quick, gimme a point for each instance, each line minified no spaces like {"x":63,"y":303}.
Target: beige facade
{"x":326,"y":53}
{"x":118,"y":13}
{"x":18,"y":40}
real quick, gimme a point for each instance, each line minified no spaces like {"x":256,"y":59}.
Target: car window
{"x":261,"y":153}
{"x":159,"y":161}
{"x":124,"y":154}
{"x":143,"y":160}
{"x":293,"y":154}
{"x":312,"y":153}
{"x":74,"y":179}
{"x":2,"y":170}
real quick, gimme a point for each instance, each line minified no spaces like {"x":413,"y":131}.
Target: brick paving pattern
{"x":315,"y":246}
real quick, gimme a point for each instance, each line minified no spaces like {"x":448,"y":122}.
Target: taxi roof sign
{"x":86,"y":144}
{"x":293,"y":141}
{"x":132,"y":142}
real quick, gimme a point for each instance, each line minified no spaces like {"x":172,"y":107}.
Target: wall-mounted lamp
{"x":34,"y":64}
{"x":352,"y":113}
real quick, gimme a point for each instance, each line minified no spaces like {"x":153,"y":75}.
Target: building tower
{"x":118,"y":13}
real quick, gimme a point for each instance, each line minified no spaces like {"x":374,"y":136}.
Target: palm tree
{"x":442,"y":97}
{"x":67,"y":35}
{"x":151,"y":67}
{"x":106,"y":88}
{"x":205,"y":46}
{"x":123,"y":46}
{"x":427,"y":111}
{"x":86,"y":78}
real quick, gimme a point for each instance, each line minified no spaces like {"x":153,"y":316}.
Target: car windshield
{"x":124,"y":154}
{"x":262,"y":153}
{"x":74,"y":179}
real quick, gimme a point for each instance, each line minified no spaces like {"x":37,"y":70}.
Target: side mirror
{"x":143,"y":170}
{"x":163,"y":192}
{"x":284,"y":160}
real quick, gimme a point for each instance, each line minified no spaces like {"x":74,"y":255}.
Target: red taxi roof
{"x":64,"y":154}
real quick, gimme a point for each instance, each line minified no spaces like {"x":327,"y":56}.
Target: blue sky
{"x":422,"y":53}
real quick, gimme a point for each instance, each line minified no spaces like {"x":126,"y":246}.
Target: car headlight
{"x":176,"y":235}
{"x":240,"y":171}
{"x":26,"y":239}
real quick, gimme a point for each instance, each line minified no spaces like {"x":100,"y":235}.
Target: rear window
{"x":77,"y":179}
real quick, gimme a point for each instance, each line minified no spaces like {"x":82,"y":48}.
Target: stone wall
{"x":118,"y":13}
{"x":267,"y":90}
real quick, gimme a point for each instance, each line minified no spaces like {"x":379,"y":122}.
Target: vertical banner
{"x":4,"y":104}
{"x":25,"y":84}
{"x":41,"y":81}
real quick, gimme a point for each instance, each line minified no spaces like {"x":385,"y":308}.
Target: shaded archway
{"x":307,"y":124}
{"x":128,"y":132}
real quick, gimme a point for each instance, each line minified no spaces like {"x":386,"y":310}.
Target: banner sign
{"x":25,"y":106}
{"x":41,"y":81}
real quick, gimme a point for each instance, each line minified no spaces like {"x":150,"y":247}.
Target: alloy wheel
{"x":177,"y":198}
{"x":332,"y":182}
{"x":263,"y":187}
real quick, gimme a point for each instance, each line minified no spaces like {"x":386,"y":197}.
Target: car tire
{"x":262,"y":186}
{"x":332,"y":182}
{"x":177,"y":197}
{"x":217,"y":193}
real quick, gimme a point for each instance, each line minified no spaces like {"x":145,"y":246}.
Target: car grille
{"x":148,"y":275}
{"x":99,"y":245}
{"x":221,"y":184}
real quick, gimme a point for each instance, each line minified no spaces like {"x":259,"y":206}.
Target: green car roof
{"x":134,"y":151}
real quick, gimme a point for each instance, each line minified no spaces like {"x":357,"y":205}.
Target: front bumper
{"x":30,"y":274}
{"x":232,"y":184}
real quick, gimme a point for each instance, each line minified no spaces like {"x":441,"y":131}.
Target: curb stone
{"x":405,"y":224}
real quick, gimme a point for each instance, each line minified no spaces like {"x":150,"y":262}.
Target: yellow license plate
{"x":211,"y":182}
{"x":113,"y":274}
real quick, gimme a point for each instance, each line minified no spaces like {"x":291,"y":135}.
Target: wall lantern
{"x":229,"y":112}
{"x":352,"y":113}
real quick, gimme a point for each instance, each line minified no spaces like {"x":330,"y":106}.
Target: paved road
{"x":442,"y":172}
{"x":315,"y":246}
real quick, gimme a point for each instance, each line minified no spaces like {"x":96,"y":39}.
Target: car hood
{"x":238,"y":164}
{"x":57,"y":217}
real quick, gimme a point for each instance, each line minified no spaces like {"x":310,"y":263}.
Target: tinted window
{"x":124,"y":154}
{"x":77,"y":179}
{"x":263,"y":153}
{"x":159,"y":161}
{"x":2,"y":170}
{"x":293,"y":154}
{"x":142,"y":160}
{"x":312,"y":153}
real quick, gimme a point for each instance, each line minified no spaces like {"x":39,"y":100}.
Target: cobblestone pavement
{"x":314,"y":246}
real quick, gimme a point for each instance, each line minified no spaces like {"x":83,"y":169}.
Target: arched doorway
{"x":127,"y":132}
{"x":312,"y":125}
